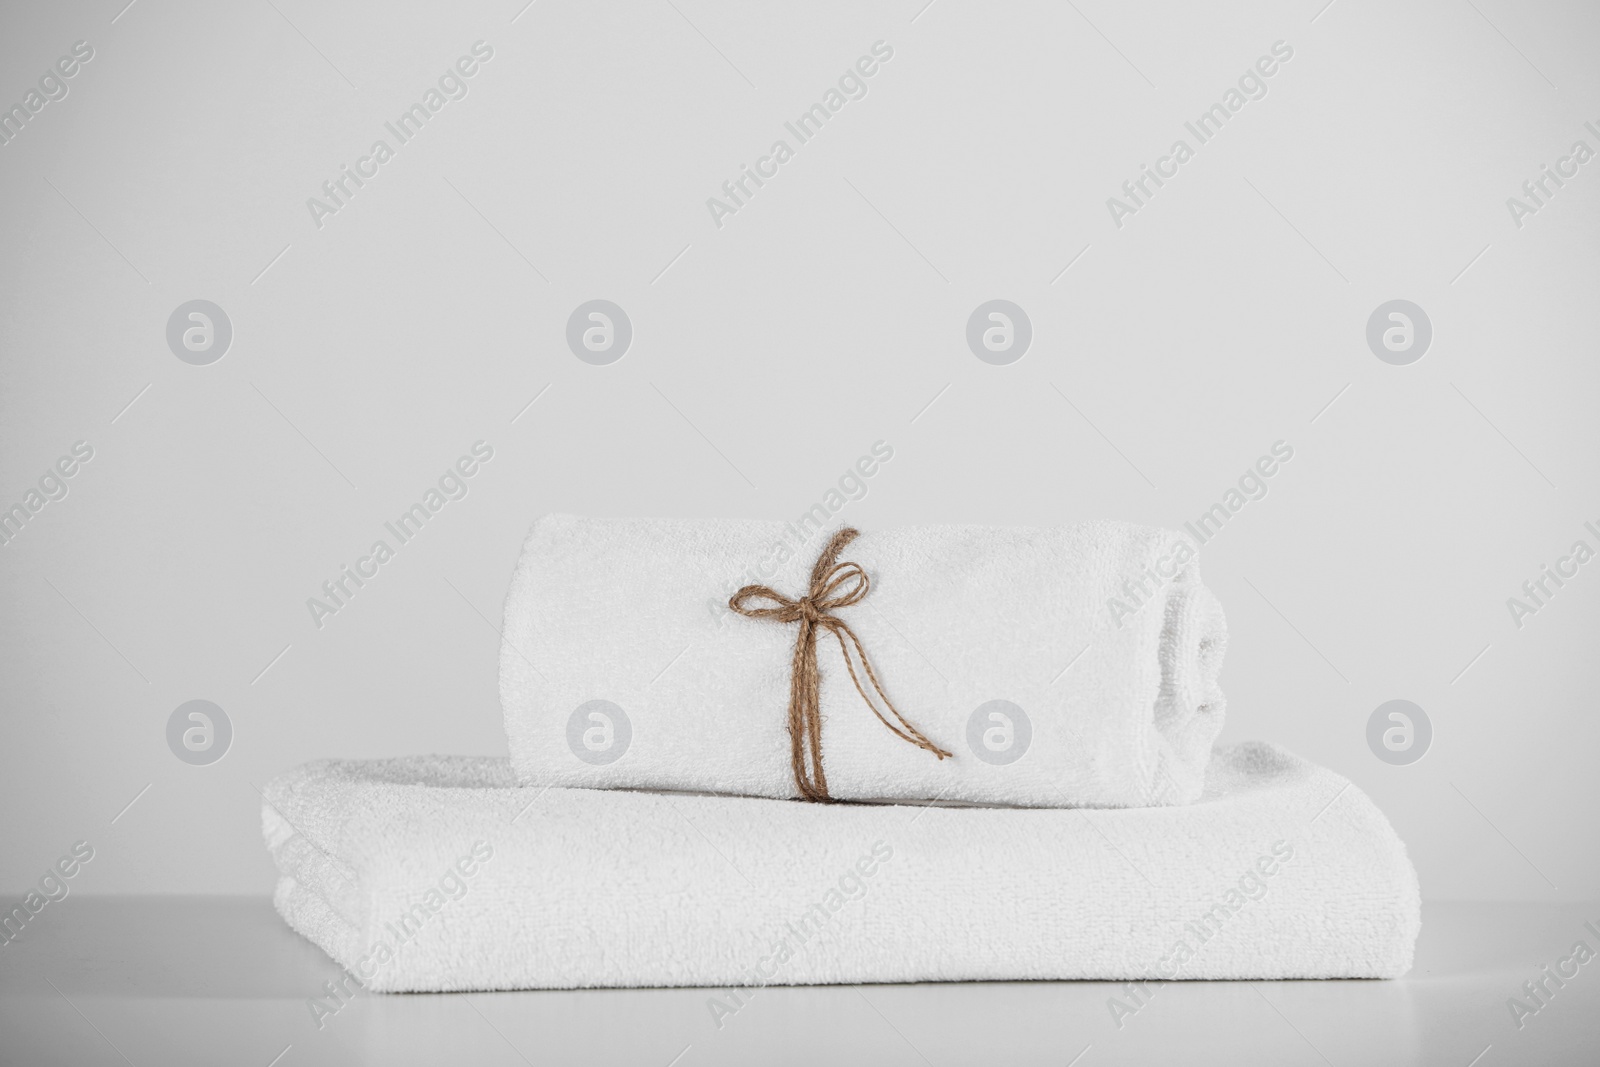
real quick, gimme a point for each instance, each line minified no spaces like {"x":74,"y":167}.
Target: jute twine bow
{"x":833,"y":585}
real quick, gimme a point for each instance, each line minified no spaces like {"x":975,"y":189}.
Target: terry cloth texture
{"x":1098,"y":638}
{"x":442,"y":874}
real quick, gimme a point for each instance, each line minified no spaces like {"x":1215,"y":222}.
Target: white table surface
{"x":213,"y":980}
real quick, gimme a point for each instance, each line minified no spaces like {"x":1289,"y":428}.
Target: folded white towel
{"x":439,"y":874}
{"x":1074,"y":665}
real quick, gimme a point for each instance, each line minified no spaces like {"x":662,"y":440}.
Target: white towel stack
{"x":1085,"y":828}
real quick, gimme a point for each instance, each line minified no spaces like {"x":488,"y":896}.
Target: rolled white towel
{"x":1071,"y":665}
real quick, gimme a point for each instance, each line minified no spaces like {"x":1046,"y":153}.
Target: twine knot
{"x":833,"y":585}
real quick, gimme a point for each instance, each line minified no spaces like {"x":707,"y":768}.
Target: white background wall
{"x":824,"y":316}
